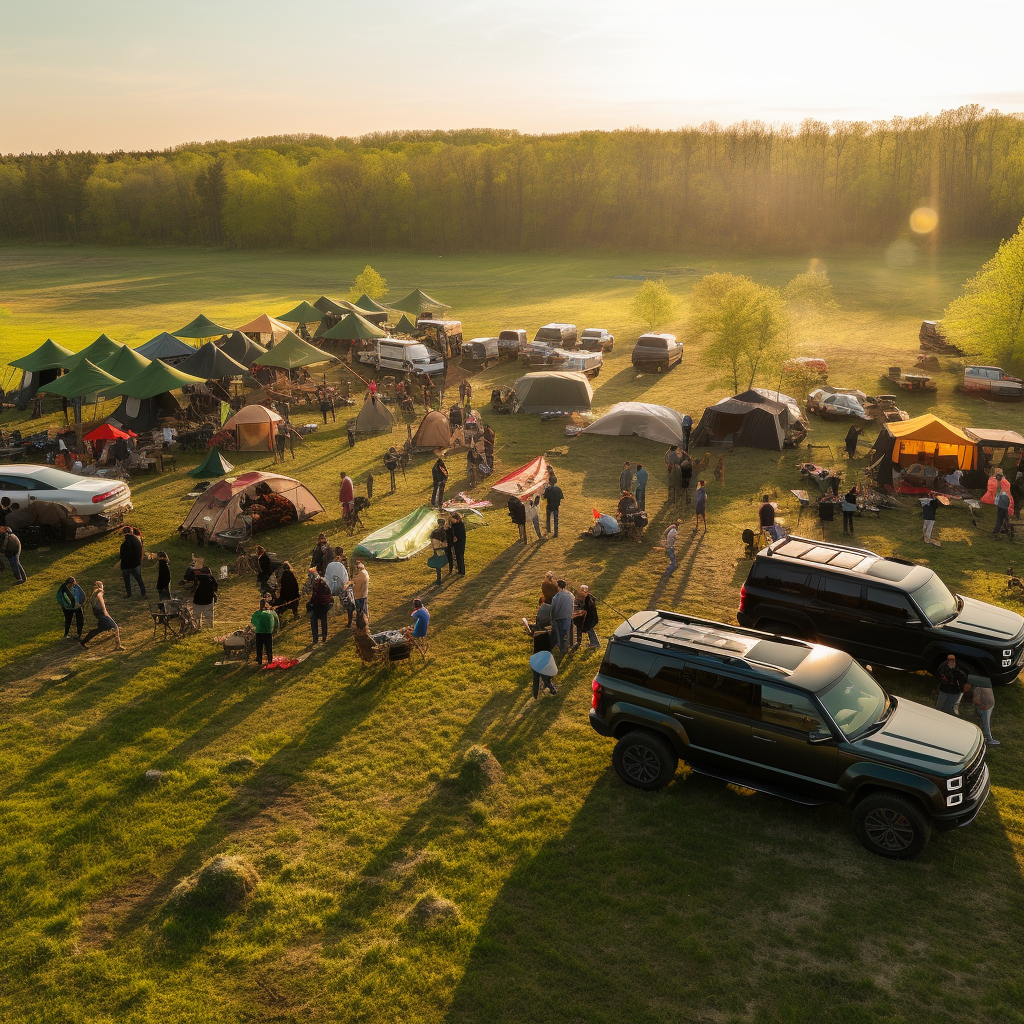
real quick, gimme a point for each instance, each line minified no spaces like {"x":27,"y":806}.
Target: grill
{"x":976,"y":776}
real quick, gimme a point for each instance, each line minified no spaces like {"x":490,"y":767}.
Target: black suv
{"x":789,"y":718}
{"x":883,"y":611}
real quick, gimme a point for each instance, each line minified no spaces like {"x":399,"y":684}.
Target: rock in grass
{"x":434,"y":912}
{"x":479,"y":770}
{"x":154,"y":776}
{"x":221,"y":883}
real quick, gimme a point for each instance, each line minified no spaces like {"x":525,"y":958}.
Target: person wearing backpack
{"x":71,"y":598}
{"x":517,"y":513}
{"x":321,"y":600}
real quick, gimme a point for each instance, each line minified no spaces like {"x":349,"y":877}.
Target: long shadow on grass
{"x":701,"y":903}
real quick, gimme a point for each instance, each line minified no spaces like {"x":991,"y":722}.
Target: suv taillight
{"x":595,"y":702}
{"x":743,"y":598}
{"x":97,"y":498}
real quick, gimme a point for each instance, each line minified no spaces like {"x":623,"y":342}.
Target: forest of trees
{"x":750,"y":186}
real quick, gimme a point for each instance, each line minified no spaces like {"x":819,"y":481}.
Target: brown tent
{"x":433,"y":432}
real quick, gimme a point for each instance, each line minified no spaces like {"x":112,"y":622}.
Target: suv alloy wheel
{"x":643,"y":759}
{"x":891,"y":825}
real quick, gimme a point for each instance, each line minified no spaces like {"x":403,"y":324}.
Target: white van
{"x":401,"y":355}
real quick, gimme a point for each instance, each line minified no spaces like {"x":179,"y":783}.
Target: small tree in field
{"x":988,"y":319}
{"x":369,"y":282}
{"x":812,"y":290}
{"x":653,"y":305}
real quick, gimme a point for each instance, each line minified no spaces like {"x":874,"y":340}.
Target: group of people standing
{"x":448,"y":545}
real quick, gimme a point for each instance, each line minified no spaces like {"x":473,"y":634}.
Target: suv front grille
{"x":976,"y":776}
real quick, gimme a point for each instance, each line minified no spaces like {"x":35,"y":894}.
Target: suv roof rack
{"x":777,"y":545}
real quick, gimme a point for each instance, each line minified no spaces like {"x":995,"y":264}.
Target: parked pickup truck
{"x":991,"y":382}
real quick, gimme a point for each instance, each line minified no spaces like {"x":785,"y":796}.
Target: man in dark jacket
{"x":131,"y":562}
{"x":553,"y":499}
{"x":321,"y":555}
{"x":586,"y":621}
{"x":489,"y":445}
{"x":11,"y":549}
{"x":439,"y":475}
{"x":458,"y":530}
{"x":953,"y":685}
{"x":449,"y":539}
{"x":851,"y":440}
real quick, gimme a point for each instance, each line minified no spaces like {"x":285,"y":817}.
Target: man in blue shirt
{"x":641,"y":486}
{"x":421,"y":620}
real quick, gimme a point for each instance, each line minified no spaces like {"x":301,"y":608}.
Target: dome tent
{"x":219,"y":509}
{"x":434,"y":431}
{"x":373,"y":418}
{"x":640,"y":419}
{"x":553,"y":391}
{"x":254,"y":427}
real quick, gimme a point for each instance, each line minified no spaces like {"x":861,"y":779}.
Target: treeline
{"x":751,"y":185}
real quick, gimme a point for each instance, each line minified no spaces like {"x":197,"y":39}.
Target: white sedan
{"x":86,"y":496}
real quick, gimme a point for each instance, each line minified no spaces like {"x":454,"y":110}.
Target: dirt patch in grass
{"x":434,"y":912}
{"x":104,"y":915}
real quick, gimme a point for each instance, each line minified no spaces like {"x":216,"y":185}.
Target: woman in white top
{"x":533,"y":514}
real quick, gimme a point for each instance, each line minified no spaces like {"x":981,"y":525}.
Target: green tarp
{"x":98,"y":352}
{"x":405,"y":326}
{"x":156,"y":379}
{"x":213,"y":465}
{"x":292,"y":352}
{"x":353,"y":328}
{"x":418,"y":301}
{"x":201,"y":327}
{"x":124,"y":364}
{"x":402,"y":539}
{"x":370,"y":305}
{"x":243,"y":349}
{"x":85,"y":379}
{"x":49,"y":356}
{"x":212,"y":363}
{"x":165,"y":346}
{"x":303,"y":313}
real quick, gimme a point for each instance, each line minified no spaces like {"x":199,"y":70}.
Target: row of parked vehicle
{"x":783,"y":704}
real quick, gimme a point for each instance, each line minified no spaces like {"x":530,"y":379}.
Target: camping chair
{"x":239,"y":645}
{"x":372,"y":654}
{"x":421,"y":644}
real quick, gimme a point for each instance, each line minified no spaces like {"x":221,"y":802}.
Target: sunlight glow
{"x":924,"y":220}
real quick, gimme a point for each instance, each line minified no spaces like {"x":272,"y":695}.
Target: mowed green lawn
{"x":579,"y":899}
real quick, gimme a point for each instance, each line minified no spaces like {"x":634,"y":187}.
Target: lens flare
{"x":923,"y":220}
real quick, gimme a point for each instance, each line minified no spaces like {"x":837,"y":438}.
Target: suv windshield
{"x":935,"y":601}
{"x":855,"y":701}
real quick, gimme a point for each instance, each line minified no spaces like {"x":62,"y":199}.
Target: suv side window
{"x":841,"y":593}
{"x":789,"y":709}
{"x":628,"y":663}
{"x":889,"y":603}
{"x":667,"y":677}
{"x":718,"y":691}
{"x":784,"y":580}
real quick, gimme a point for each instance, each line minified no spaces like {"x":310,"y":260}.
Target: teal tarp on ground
{"x":404,"y":538}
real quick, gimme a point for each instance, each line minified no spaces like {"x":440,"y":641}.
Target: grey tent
{"x":242,"y":349}
{"x":747,"y":420}
{"x":639,"y":419}
{"x":373,"y":418}
{"x":212,"y":363}
{"x":554,"y":391}
{"x":167,"y":348}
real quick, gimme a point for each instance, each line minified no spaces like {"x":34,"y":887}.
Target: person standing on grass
{"x":391,"y":464}
{"x":439,"y":476}
{"x":439,"y":546}
{"x":449,"y":537}
{"x":321,"y":600}
{"x":540,"y":632}
{"x":489,"y":439}
{"x":641,"y":487}
{"x":346,"y":495}
{"x":548,"y":586}
{"x":281,"y":438}
{"x":700,"y":505}
{"x":71,"y":598}
{"x":288,"y":595}
{"x":675,"y":482}
{"x":586,"y":621}
{"x":533,"y":514}
{"x":562,"y":605}
{"x":458,"y":528}
{"x":462,"y":392}
{"x":928,"y":507}
{"x":361,"y":590}
{"x":1002,"y":508}
{"x":766,"y":513}
{"x":687,"y":427}
{"x":984,"y":702}
{"x":103,"y":620}
{"x":851,"y":441}
{"x":266,"y":623}
{"x":11,"y":550}
{"x":669,"y":540}
{"x":517,"y":513}
{"x":626,"y":478}
{"x":849,"y":509}
{"x":953,"y":685}
{"x":163,"y":576}
{"x":204,"y":596}
{"x":553,"y":499}
{"x":131,"y":562}
{"x":685,"y":474}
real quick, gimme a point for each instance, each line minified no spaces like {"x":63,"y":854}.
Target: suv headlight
{"x":955,"y":783}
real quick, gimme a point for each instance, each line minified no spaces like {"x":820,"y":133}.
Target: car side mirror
{"x":819,"y":736}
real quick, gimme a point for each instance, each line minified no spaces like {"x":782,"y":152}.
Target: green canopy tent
{"x":124,"y":364}
{"x":243,"y":349}
{"x":209,"y":362}
{"x":37,"y":368}
{"x":417,"y":302}
{"x":405,"y":326}
{"x":353,"y":327}
{"x":97,"y":353}
{"x":201,"y":327}
{"x":213,"y":465}
{"x":85,"y":379}
{"x":166,"y":347}
{"x":303,"y":313}
{"x":401,"y":539}
{"x":147,"y":396}
{"x":370,"y":305}
{"x":291,"y":352}
{"x":331,"y":307}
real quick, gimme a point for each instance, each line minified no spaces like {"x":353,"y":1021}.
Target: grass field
{"x":578,"y":898}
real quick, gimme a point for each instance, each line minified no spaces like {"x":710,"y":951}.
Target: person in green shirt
{"x":266,"y":624}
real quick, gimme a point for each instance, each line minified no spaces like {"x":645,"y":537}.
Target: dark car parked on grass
{"x":883,"y":611}
{"x":657,"y":352}
{"x":788,"y":718}
{"x":597,"y":339}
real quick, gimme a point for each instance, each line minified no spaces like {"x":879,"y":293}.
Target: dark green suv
{"x":788,"y":718}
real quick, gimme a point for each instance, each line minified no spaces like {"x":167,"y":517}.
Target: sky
{"x":110,"y":74}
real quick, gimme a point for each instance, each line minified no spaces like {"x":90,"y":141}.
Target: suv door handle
{"x":763,"y":739}
{"x":679,"y":714}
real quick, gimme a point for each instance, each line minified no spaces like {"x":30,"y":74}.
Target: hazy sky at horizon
{"x":114,"y":74}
